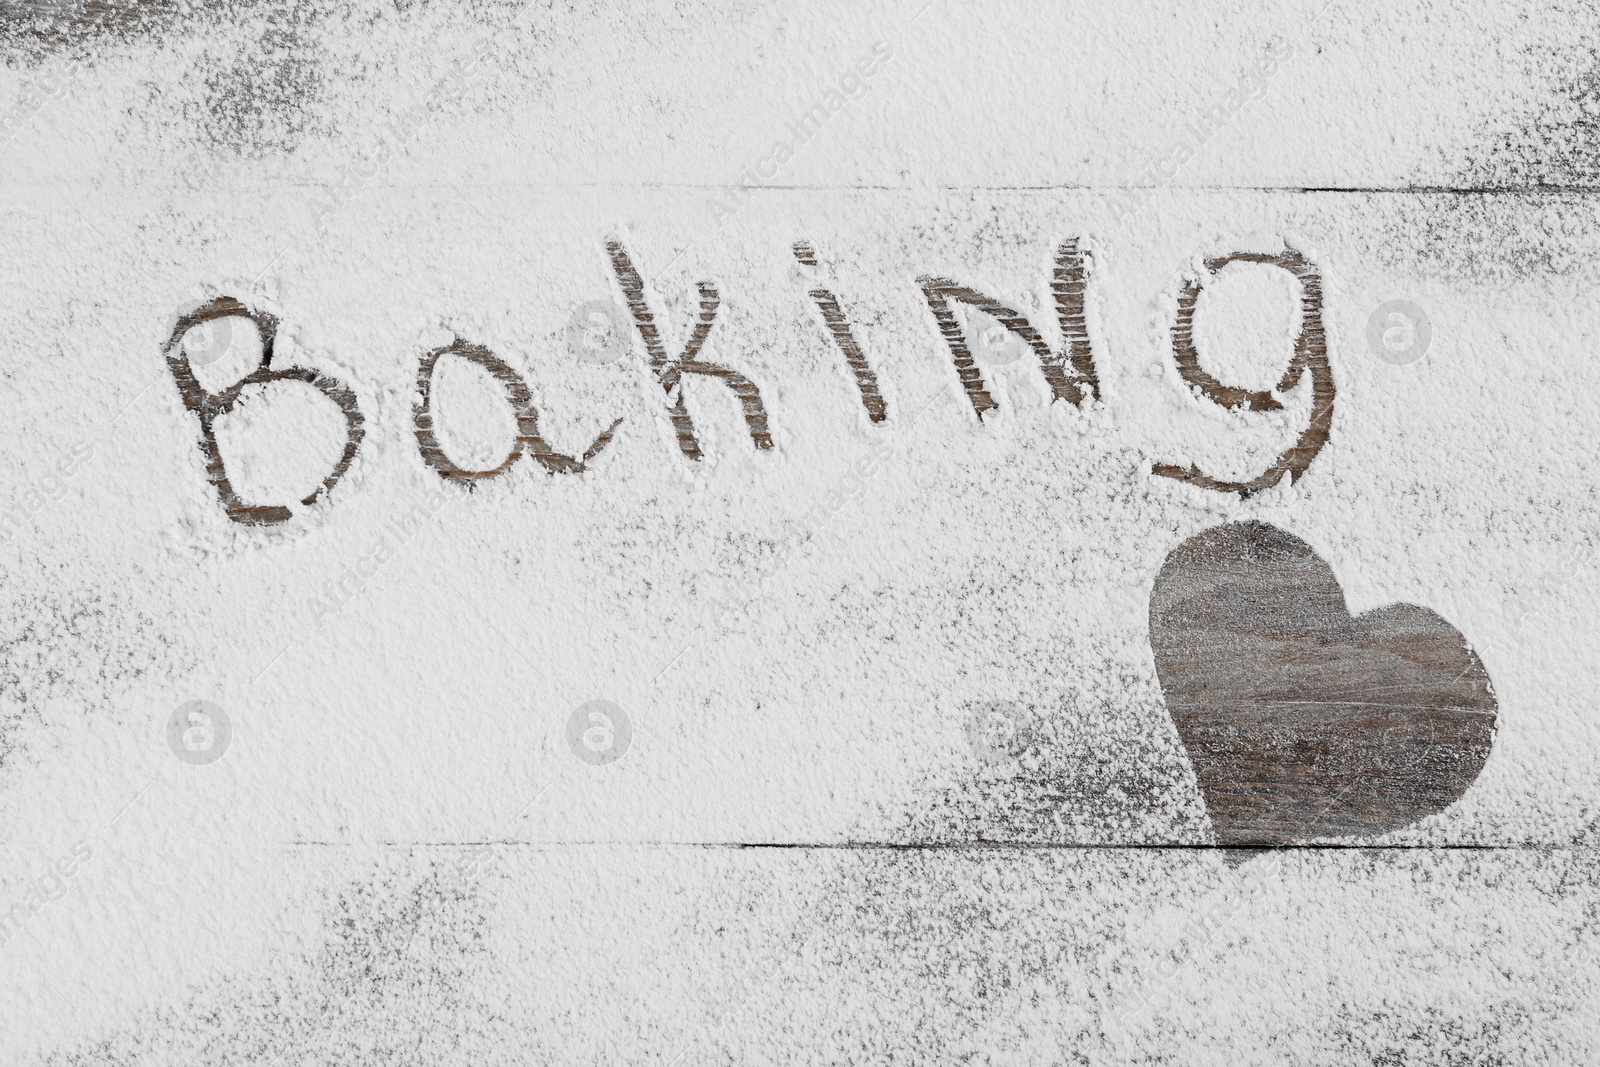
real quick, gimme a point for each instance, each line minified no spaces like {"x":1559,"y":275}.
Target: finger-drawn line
{"x":208,"y":406}
{"x":521,"y":399}
{"x":1310,"y":357}
{"x":839,"y":327}
{"x":1067,"y":284}
{"x":670,"y":372}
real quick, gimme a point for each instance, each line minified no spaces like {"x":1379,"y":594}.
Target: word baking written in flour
{"x":1070,"y":372}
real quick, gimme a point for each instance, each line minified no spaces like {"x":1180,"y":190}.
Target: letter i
{"x":839,"y":327}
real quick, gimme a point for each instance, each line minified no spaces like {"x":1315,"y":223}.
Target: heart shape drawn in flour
{"x":1302,"y":721}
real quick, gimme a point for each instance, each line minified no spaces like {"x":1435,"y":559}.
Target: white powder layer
{"x":314,"y":897}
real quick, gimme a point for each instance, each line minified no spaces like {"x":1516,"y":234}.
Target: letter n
{"x":1070,"y":372}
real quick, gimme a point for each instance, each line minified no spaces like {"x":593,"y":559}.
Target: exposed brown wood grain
{"x":521,"y":398}
{"x":670,"y":372}
{"x":1310,"y":356}
{"x":1302,"y":721}
{"x":208,"y":407}
{"x":844,"y":337}
{"x":1067,"y":284}
{"x":67,"y":21}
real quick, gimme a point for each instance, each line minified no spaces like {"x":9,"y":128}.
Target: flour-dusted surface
{"x":413,"y":850}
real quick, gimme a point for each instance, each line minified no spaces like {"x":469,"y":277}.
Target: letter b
{"x":209,"y":406}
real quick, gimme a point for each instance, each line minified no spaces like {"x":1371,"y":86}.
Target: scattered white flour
{"x":405,"y":855}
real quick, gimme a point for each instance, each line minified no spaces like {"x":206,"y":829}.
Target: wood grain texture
{"x":999,"y":561}
{"x":1310,"y":357}
{"x":1067,"y":285}
{"x":839,"y":328}
{"x":1302,"y":721}
{"x":208,"y":407}
{"x":670,"y":372}
{"x":521,"y":399}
